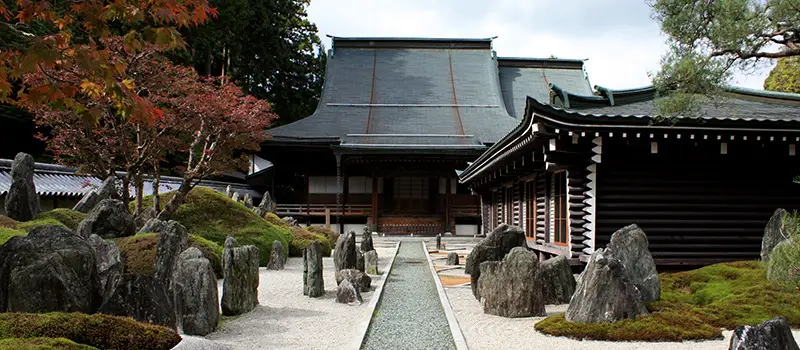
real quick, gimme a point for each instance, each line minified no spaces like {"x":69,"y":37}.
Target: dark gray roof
{"x":450,"y":87}
{"x":60,"y":181}
{"x":523,"y":77}
{"x":735,"y":103}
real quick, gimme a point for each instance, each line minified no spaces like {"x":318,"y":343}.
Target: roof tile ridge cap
{"x":779,"y":95}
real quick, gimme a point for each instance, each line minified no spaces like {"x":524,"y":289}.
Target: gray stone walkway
{"x":409,"y":315}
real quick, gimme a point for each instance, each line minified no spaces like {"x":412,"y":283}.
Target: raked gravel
{"x":285,"y":319}
{"x":409,"y":315}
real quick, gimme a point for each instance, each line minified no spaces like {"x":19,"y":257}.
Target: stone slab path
{"x":409,"y":315}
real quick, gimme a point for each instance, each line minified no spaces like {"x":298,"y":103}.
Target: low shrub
{"x":42,"y":344}
{"x":332,"y":236}
{"x":213,"y":216}
{"x":28,"y":226}
{"x":301,"y":238}
{"x":98,"y":330}
{"x":8,"y":222}
{"x":725,"y":295}
{"x":6,"y":234}
{"x":68,"y":217}
{"x":139,"y":252}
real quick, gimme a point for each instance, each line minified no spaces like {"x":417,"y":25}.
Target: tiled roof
{"x":408,"y":86}
{"x":523,"y":77}
{"x":60,"y":181}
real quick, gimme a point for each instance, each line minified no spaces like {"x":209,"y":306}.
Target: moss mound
{"x":28,"y":226}
{"x":300,"y":237}
{"x":6,"y":234}
{"x":695,"y":305}
{"x":332,"y":236}
{"x":213,"y":216}
{"x":42,"y":344}
{"x":8,"y":222}
{"x":100,"y":331}
{"x":139,"y":252}
{"x":67,"y":217}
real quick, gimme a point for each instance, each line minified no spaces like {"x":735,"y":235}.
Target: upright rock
{"x":604,"y":293}
{"x":347,"y":293}
{"x":360,"y":261}
{"x":629,"y":245}
{"x":774,"y":334}
{"x":359,"y":278}
{"x":196,"y":298}
{"x":143,"y":298}
{"x":235,"y":196}
{"x":558,"y":283}
{"x":276,"y":258}
{"x":107,"y":190}
{"x":248,"y":200}
{"x":153,"y":225}
{"x":313,"y":285}
{"x":371,"y":262}
{"x":87,"y":202}
{"x":493,"y":248}
{"x":774,"y":233}
{"x":240,"y":281}
{"x":439,"y":241}
{"x":452,"y":258}
{"x":51,"y":269}
{"x":510,"y":288}
{"x":344,"y":254}
{"x":171,"y":242}
{"x":290,"y":220}
{"x":108,"y":263}
{"x":366,"y":240}
{"x":267,"y":205}
{"x":109,"y":219}
{"x":22,"y":201}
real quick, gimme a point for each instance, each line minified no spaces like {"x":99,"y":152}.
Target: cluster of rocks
{"x":353,"y":266}
{"x":22,"y":201}
{"x":493,"y":248}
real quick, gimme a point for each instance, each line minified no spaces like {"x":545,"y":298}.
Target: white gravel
{"x":286,"y":319}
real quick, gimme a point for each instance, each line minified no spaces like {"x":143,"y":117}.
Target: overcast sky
{"x":618,"y":37}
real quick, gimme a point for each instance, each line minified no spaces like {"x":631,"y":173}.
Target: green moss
{"x":28,"y":226}
{"x":139,"y":252}
{"x":7,"y":233}
{"x":8,"y":222}
{"x":302,"y":238}
{"x":213,"y":216}
{"x":70,"y":218}
{"x":332,"y":236}
{"x":42,"y":344}
{"x":695,"y":305}
{"x":98,"y":330}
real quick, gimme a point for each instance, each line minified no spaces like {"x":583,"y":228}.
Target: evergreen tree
{"x":785,"y":77}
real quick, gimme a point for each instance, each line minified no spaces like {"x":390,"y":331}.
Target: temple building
{"x":582,"y":165}
{"x":397,"y":118}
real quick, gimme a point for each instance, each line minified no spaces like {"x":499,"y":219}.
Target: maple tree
{"x":63,"y":44}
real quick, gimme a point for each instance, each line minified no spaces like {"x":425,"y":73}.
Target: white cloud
{"x":618,"y":37}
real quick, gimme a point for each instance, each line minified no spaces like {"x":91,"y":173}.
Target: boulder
{"x":109,"y":219}
{"x":493,"y":248}
{"x":359,"y":278}
{"x":144,"y":217}
{"x":290,"y":220}
{"x":347,"y":293}
{"x":108,"y":263}
{"x":452,"y":258}
{"x":195,"y":288}
{"x":604,"y":293}
{"x":51,"y":269}
{"x":360,"y":261}
{"x":107,"y":190}
{"x":774,"y":334}
{"x":172,"y":240}
{"x":22,"y":201}
{"x":235,"y":196}
{"x":774,"y":233}
{"x":510,"y":288}
{"x":557,"y":281}
{"x":313,"y":284}
{"x":366,"y":240}
{"x":267,"y":205}
{"x":143,"y":298}
{"x":371,"y":262}
{"x":153,"y":225}
{"x":240,"y":278}
{"x":248,"y":200}
{"x":629,"y":245}
{"x":344,"y":254}
{"x":276,"y":258}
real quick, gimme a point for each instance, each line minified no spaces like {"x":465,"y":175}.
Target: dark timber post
{"x":374,"y":203}
{"x":339,"y":192}
{"x":447,"y":227}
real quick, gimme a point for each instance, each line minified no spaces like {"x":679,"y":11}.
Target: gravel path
{"x":285,"y":319}
{"x":409,"y":315}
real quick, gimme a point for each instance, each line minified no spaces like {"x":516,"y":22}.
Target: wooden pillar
{"x":308,"y":195}
{"x":374,"y":203}
{"x":447,"y":226}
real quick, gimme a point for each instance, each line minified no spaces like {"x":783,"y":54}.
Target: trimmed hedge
{"x":42,"y":344}
{"x":68,"y":217}
{"x":695,"y":305}
{"x":139,"y":252}
{"x":213,"y":216}
{"x":98,"y":330}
